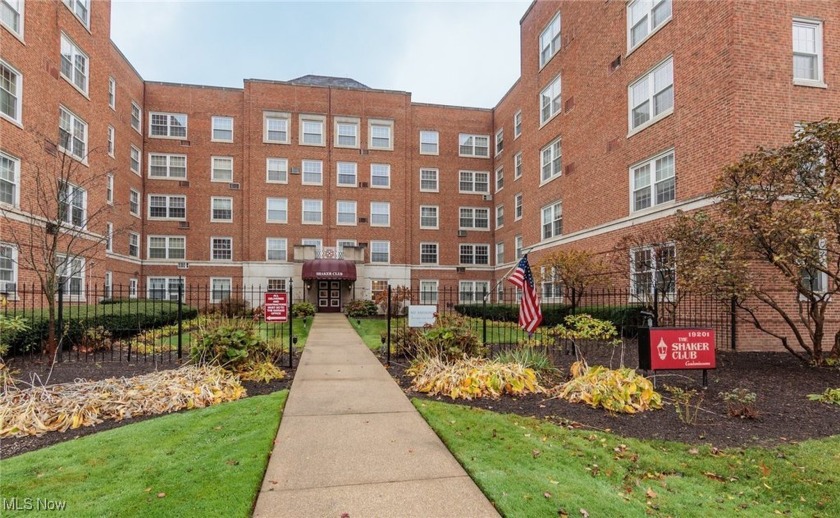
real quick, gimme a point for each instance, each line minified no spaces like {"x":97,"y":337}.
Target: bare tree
{"x":55,"y":236}
{"x":576,"y":270}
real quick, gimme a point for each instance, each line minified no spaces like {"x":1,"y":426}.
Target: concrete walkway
{"x":351,"y":442}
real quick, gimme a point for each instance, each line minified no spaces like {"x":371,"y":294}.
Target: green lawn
{"x":529,"y":468}
{"x":203,"y":462}
{"x":370,"y":329}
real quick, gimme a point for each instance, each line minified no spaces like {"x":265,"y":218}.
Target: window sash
{"x":167,"y":166}
{"x":277,"y":210}
{"x":72,"y":134}
{"x":380,"y":252}
{"x":807,"y":50}
{"x":550,"y":40}
{"x":276,"y":129}
{"x":10,"y":11}
{"x":428,"y":216}
{"x":551,"y":161}
{"x":474,"y":218}
{"x":276,"y":249}
{"x":313,"y":173}
{"x":380,"y":136}
{"x":474,"y":182}
{"x":645,"y":16}
{"x":347,"y":134}
{"x":550,"y":101}
{"x":313,"y":211}
{"x":429,"y":180}
{"x":474,"y":145}
{"x":652,"y":95}
{"x":380,"y":213}
{"x":654,"y":182}
{"x":552,"y":221}
{"x":276,"y":170}
{"x":74,"y":64}
{"x":380,"y":175}
{"x":9,"y":176}
{"x":222,"y":169}
{"x":222,"y":248}
{"x":222,"y":129}
{"x":429,"y":142}
{"x":171,"y":125}
{"x":346,"y":212}
{"x":10,"y":91}
{"x":164,"y":206}
{"x":312,"y":131}
{"x":222,"y":209}
{"x":347,"y":174}
{"x":428,"y":253}
{"x":167,"y":247}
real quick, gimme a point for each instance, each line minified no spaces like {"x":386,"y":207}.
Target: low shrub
{"x":831,"y":396}
{"x":627,"y":319}
{"x":470,"y":378}
{"x":686,"y":403}
{"x":233,"y":308}
{"x":617,"y":390}
{"x":303,"y":309}
{"x":740,"y":402}
{"x":529,"y":357}
{"x":9,"y":328}
{"x":450,"y":338}
{"x":236,"y":345}
{"x":361,"y":308}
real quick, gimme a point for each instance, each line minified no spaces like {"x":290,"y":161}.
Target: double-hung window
{"x":134,"y":160}
{"x":72,"y":134}
{"x":134,"y":244}
{"x":429,"y":141}
{"x":550,"y":40}
{"x":275,"y":249}
{"x":81,"y":9}
{"x":474,"y":182}
{"x":313,"y":173}
{"x":474,"y":145}
{"x":345,"y":212}
{"x":222,"y":129}
{"x":644,"y":17}
{"x":517,"y":166}
{"x":221,"y":209}
{"x":164,"y":288}
{"x":109,"y":237}
{"x":551,"y":163}
{"x":380,"y":251}
{"x":11,"y":15}
{"x":9,"y":180}
{"x":429,"y":216}
{"x":653,"y":181}
{"x":167,"y":247}
{"x":222,"y":169}
{"x":380,"y":176}
{"x":475,"y":254}
{"x":552,"y":220}
{"x":518,"y":245}
{"x":500,"y":252}
{"x":313,"y":212}
{"x":652,"y":96}
{"x":517,"y":207}
{"x":381,"y":134}
{"x":276,"y":170}
{"x":550,"y":101}
{"x":652,"y":267}
{"x":429,"y":180}
{"x":221,"y":248}
{"x":109,"y":189}
{"x":136,"y":117}
{"x":276,"y":127}
{"x":71,"y":275}
{"x":807,"y":52}
{"x":500,"y":140}
{"x":163,"y":206}
{"x":474,"y":218}
{"x":168,"y":166}
{"x":74,"y":64}
{"x":347,"y":175}
{"x":220,"y":289}
{"x":312,"y":130}
{"x":134,"y":202}
{"x":472,"y":291}
{"x":72,"y":203}
{"x":380,"y":214}
{"x":276,"y":210}
{"x":500,"y":216}
{"x":500,"y":178}
{"x":112,"y":92}
{"x":517,"y":124}
{"x":11,"y":92}
{"x":428,"y":292}
{"x":168,"y":125}
{"x":111,"y":141}
{"x":428,"y":253}
{"x":346,"y":132}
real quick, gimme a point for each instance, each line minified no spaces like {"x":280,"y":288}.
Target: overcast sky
{"x":461,"y":53}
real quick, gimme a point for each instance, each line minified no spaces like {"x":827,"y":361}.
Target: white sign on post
{"x":420,"y":315}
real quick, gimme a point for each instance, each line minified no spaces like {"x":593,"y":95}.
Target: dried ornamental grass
{"x":37,"y":410}
{"x":472,"y":378}
{"x":617,"y":390}
{"x":262,"y":372}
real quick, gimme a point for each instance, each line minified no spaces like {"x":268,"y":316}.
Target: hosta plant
{"x":617,"y":390}
{"x":470,"y":378}
{"x":830,"y":396}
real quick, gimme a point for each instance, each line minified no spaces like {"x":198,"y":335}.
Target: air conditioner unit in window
{"x":234,"y":186}
{"x":183,"y":224}
{"x":183,"y":266}
{"x":184,"y":183}
{"x":295,"y":170}
{"x":363,"y":151}
{"x":363,"y":244}
{"x":362,"y":220}
{"x":488,"y":197}
{"x":363,"y":184}
{"x":462,"y":233}
{"x":8,"y":287}
{"x":185,"y":143}
{"x":460,"y":269}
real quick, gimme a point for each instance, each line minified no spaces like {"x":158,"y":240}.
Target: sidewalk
{"x":351,"y":442}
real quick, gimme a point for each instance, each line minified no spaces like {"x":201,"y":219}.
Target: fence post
{"x":655,"y":306}
{"x":59,"y":321}
{"x":484,"y":316}
{"x":180,"y":314}
{"x":733,"y":326}
{"x":388,"y":331}
{"x":574,"y":301}
{"x":291,"y":322}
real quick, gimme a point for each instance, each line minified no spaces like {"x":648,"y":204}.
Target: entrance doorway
{"x":329,"y":296}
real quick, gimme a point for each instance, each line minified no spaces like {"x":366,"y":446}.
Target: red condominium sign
{"x":683,"y":348}
{"x":276,"y":307}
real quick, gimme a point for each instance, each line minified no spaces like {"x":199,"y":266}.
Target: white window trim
{"x":653,"y":120}
{"x":213,"y":199}
{"x":109,"y":237}
{"x":499,"y":250}
{"x":630,"y":47}
{"x":338,"y":174}
{"x":285,"y":249}
{"x":554,"y":175}
{"x":84,"y":205}
{"x":137,"y":239}
{"x":521,"y":199}
{"x":213,"y":120}
{"x":21,"y":19}
{"x":517,"y":171}
{"x":437,"y":142}
{"x":517,"y":132}
{"x":437,"y":217}
{"x":267,"y":201}
{"x":277,"y":115}
{"x":211,"y":249}
{"x":634,"y":296}
{"x":473,"y":173}
{"x":76,"y":50}
{"x":139,"y":203}
{"x":437,"y":179}
{"x":16,"y":182}
{"x":437,"y":253}
{"x":62,"y":259}
{"x":108,"y":285}
{"x":303,"y":173}
{"x":355,"y":221}
{"x":370,"y":218}
{"x":169,"y":126}
{"x":435,"y":291}
{"x":496,"y":187}
{"x":473,"y":254}
{"x":213,"y":299}
{"x":134,"y":150}
{"x":351,"y":121}
{"x":132,"y":288}
{"x":112,"y":93}
{"x":559,"y":45}
{"x":168,"y":198}
{"x":820,"y":81}
{"x":169,"y":157}
{"x":112,"y":140}
{"x":109,"y":189}
{"x":474,"y":209}
{"x":473,"y":155}
{"x":651,"y":161}
{"x":167,"y":248}
{"x":388,"y":243}
{"x":500,"y":137}
{"x":70,"y":4}
{"x":303,"y":212}
{"x":549,"y":85}
{"x":167,"y":280}
{"x":553,"y":208}
{"x":500,"y":206}
{"x":374,"y":186}
{"x":139,"y":126}
{"x":19,"y":88}
{"x":307,"y":117}
{"x":381,"y":122}
{"x":476,"y":295}
{"x":73,"y":116}
{"x":267,"y":180}
{"x":213,"y":169}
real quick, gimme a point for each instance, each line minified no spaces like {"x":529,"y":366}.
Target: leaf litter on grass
{"x":41,"y":409}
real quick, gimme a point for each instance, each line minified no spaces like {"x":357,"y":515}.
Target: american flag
{"x":530,"y":314}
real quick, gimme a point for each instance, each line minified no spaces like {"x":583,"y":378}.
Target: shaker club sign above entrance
{"x":663,"y":348}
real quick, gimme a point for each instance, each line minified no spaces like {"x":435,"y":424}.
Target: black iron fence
{"x":132,"y":323}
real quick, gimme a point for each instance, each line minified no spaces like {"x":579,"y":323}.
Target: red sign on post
{"x":682,"y":348}
{"x":276,"y":307}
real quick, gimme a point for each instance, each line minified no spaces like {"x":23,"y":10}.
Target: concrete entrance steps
{"x":351,"y":442}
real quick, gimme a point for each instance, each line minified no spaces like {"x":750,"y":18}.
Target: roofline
{"x":509,"y":91}
{"x":126,"y":60}
{"x":452,"y":106}
{"x":189,"y":85}
{"x":527,"y":12}
{"x":289,"y":83}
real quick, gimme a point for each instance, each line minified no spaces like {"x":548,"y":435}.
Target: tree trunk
{"x":52,"y":343}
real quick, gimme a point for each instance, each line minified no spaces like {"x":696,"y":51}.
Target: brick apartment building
{"x":624,"y":112}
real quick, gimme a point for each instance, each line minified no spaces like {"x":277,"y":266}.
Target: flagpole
{"x":515,"y":264}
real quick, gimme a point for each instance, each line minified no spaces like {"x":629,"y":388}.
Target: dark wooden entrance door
{"x":329,"y":296}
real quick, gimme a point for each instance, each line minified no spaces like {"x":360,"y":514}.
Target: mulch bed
{"x":66,"y":372}
{"x":780,"y":382}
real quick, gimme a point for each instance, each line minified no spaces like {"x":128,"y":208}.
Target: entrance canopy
{"x":325,"y":269}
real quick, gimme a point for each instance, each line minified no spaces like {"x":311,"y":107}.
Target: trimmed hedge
{"x":626,"y":318}
{"x":122,"y":320}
